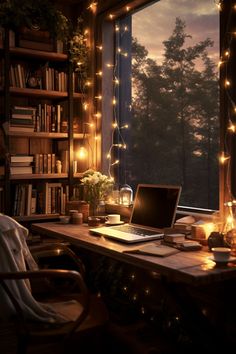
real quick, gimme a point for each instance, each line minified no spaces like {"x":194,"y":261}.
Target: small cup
{"x":113,"y":219}
{"x":221,"y":254}
{"x":94,"y":221}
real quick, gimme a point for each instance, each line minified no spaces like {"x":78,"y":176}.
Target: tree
{"x":175,"y":106}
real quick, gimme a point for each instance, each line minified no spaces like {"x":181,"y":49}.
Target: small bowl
{"x":64,"y":219}
{"x":221,"y":254}
{"x":94,"y":221}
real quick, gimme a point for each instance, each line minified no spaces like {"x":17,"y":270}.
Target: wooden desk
{"x":186,"y":277}
{"x":186,"y":267}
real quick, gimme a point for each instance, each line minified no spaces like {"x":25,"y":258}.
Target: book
{"x":25,"y":43}
{"x":19,"y":170}
{"x":178,"y":237}
{"x":17,"y":129}
{"x":155,"y":250}
{"x":21,"y":158}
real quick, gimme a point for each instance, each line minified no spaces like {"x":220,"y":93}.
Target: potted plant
{"x":35,"y":15}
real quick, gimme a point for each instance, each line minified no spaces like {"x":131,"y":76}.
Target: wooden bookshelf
{"x":56,"y":112}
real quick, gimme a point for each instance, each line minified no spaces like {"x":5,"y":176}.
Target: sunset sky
{"x":155,"y":23}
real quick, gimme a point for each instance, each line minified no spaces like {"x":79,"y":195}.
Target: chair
{"x":59,"y":322}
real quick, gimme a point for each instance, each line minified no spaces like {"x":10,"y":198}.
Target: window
{"x":169,"y":96}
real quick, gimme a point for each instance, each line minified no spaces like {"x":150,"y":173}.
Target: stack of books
{"x":21,"y":164}
{"x":35,"y":39}
{"x":178,"y":240}
{"x":22,"y":120}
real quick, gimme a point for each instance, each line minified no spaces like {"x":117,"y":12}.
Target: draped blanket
{"x":14,"y":254}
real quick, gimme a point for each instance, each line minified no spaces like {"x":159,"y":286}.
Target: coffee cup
{"x":113,"y":219}
{"x":94,"y":221}
{"x":221,"y":254}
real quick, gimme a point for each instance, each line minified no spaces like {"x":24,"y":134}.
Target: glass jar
{"x":126,"y":195}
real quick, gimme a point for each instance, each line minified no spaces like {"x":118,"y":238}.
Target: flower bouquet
{"x":96,"y":187}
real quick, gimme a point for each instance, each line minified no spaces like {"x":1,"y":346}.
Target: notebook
{"x":153,"y":210}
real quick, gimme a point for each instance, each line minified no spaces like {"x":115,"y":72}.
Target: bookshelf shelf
{"x":38,"y":54}
{"x":36,"y":217}
{"x":44,"y":135}
{"x":42,"y":93}
{"x":40,"y":135}
{"x":31,"y":176}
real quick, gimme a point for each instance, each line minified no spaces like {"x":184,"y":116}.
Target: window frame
{"x":105,"y":30}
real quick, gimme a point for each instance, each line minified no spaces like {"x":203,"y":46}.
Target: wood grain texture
{"x":188,"y":267}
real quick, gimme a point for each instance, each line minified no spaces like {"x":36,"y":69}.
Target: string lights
{"x":225,"y":155}
{"x":116,"y":129}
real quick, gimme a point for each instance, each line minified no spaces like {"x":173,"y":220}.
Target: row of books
{"x":48,"y":198}
{"x":45,"y":79}
{"x":38,"y":163}
{"x":43,"y":118}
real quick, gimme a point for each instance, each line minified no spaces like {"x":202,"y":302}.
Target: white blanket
{"x":14,"y":253}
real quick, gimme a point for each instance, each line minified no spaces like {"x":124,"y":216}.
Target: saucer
{"x":231,"y":259}
{"x":112,"y":224}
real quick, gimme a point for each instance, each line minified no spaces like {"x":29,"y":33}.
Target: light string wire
{"x":225,"y":157}
{"x":116,"y":128}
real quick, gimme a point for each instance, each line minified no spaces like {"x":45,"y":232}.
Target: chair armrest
{"x":49,"y":273}
{"x":55,"y":250}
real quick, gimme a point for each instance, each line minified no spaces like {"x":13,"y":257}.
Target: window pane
{"x":174,"y":116}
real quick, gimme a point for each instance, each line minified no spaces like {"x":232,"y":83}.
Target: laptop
{"x":153,"y":210}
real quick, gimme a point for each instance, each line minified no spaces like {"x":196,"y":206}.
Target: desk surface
{"x":193,"y":267}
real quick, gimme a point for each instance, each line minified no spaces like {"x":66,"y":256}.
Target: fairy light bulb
{"x":127,"y":8}
{"x":111,"y":16}
{"x":227,"y":83}
{"x":232,"y":127}
{"x":99,"y":73}
{"x":219,"y":6}
{"x":117,"y":28}
{"x":109,"y":65}
{"x":114,"y":125}
{"x":223,"y":158}
{"x":98,"y":115}
{"x":85,"y":106}
{"x":227,"y":53}
{"x":116,"y":162}
{"x":99,"y":97}
{"x":82,"y":153}
{"x":126,"y":28}
{"x":116,"y":81}
{"x":114,"y":101}
{"x":99,"y":47}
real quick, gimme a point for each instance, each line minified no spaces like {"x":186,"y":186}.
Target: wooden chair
{"x":53,"y":321}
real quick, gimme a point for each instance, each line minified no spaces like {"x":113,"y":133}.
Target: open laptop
{"x":153,"y":210}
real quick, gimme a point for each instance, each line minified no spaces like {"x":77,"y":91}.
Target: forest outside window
{"x":169,"y":96}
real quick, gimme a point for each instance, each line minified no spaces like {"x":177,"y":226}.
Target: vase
{"x":97,"y":208}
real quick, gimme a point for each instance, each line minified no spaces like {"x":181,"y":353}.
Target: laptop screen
{"x":155,"y":205}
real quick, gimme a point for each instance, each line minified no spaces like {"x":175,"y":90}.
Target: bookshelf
{"x":38,"y":121}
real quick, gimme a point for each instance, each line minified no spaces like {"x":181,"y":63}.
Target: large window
{"x":169,"y":95}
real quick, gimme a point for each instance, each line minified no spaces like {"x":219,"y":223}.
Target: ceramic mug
{"x":221,"y":254}
{"x":113,"y":219}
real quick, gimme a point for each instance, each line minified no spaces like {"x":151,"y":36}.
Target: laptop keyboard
{"x":134,"y":230}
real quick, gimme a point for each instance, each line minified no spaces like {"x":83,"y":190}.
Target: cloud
{"x":155,"y":23}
